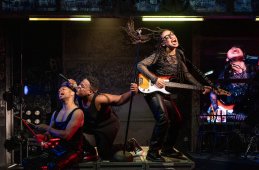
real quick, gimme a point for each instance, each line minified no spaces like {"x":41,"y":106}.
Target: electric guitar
{"x":145,"y":86}
{"x":223,"y":113}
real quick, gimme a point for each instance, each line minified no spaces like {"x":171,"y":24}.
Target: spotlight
{"x":37,"y":121}
{"x":37,"y":112}
{"x":25,"y":90}
{"x":28,"y":120}
{"x":28,"y":112}
{"x":33,"y":115}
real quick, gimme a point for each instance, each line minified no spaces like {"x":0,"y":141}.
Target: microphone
{"x":62,"y":76}
{"x":73,"y":86}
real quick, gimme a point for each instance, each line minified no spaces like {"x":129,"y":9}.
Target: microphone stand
{"x":124,"y":156}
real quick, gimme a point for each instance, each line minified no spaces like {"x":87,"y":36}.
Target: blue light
{"x":25,"y":90}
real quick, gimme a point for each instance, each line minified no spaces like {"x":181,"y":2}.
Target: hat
{"x":65,"y":84}
{"x":235,"y":54}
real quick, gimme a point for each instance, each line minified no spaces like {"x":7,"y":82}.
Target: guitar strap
{"x":201,"y":74}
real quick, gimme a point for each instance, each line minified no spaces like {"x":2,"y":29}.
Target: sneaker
{"x":154,"y":156}
{"x":133,"y":146}
{"x":170,"y":152}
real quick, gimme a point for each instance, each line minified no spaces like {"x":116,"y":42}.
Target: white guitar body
{"x":153,"y":88}
{"x":146,"y":86}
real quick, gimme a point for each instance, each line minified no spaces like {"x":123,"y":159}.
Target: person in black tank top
{"x":100,"y":119}
{"x":66,"y":124}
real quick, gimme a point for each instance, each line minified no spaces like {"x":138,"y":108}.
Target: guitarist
{"x":167,"y":61}
{"x":236,"y":78}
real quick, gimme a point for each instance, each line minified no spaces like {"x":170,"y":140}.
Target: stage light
{"x":28,"y":112}
{"x":209,"y":73}
{"x":37,"y":112}
{"x":37,"y":121}
{"x":172,"y":18}
{"x":25,"y":90}
{"x":28,"y":120}
{"x":33,"y":115}
{"x":59,"y":18}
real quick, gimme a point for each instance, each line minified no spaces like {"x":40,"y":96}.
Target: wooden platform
{"x":140,"y":163}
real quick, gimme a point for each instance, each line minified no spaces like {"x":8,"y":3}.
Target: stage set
{"x":45,"y":43}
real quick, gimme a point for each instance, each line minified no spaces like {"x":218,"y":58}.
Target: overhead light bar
{"x":256,"y":18}
{"x":172,"y":18}
{"x":72,"y":18}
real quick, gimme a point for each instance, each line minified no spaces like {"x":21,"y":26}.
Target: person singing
{"x":66,"y":124}
{"x":168,"y":61}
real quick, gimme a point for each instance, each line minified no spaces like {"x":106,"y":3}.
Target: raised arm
{"x":115,"y":100}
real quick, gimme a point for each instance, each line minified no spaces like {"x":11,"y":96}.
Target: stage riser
{"x":139,"y":163}
{"x":132,"y":166}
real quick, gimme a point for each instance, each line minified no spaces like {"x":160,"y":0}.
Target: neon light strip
{"x":60,"y":19}
{"x":172,"y":18}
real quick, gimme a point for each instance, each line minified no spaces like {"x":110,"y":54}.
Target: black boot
{"x":154,"y":156}
{"x":170,"y":152}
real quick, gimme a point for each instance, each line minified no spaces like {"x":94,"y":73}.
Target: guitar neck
{"x":183,"y":86}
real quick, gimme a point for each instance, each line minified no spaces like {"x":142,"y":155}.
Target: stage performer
{"x":100,"y":119}
{"x":238,"y":78}
{"x":67,"y":125}
{"x":168,"y":61}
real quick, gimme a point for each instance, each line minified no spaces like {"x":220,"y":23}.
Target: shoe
{"x":171,"y":153}
{"x":154,"y":156}
{"x":90,"y":156}
{"x":133,"y":146}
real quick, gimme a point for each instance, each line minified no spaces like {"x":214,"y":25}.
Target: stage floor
{"x":194,"y":161}
{"x":139,"y":163}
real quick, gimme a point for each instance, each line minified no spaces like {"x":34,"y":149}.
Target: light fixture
{"x":37,"y":113}
{"x":37,"y":121}
{"x":172,"y":18}
{"x":256,"y":18}
{"x":25,"y":90}
{"x":28,"y":112}
{"x":33,"y":115}
{"x":59,"y":18}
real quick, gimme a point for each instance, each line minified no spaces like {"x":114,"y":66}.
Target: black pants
{"x":105,"y":134}
{"x":168,"y":120}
